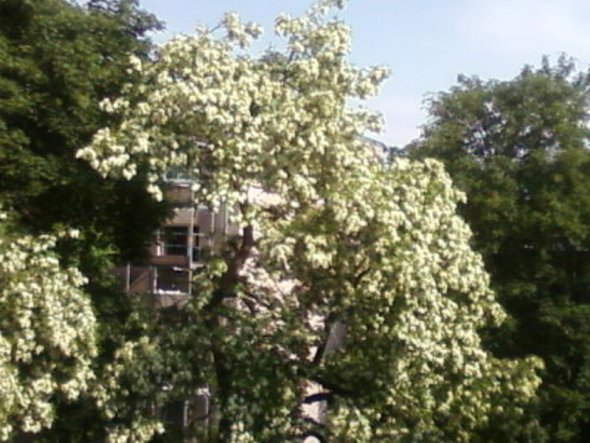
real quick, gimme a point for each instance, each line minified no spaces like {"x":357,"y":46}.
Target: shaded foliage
{"x":57,"y":62}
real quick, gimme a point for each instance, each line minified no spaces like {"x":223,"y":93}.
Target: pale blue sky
{"x":425,"y":43}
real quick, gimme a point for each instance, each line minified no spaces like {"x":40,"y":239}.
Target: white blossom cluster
{"x":234,"y":121}
{"x":399,"y":272}
{"x":47,"y":328}
{"x":385,"y":253}
{"x":344,"y":239}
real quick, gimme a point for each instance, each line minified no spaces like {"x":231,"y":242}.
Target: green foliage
{"x":519,"y":149}
{"x":57,"y":61}
{"x":330,"y":239}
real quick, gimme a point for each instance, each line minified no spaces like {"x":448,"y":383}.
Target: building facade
{"x":178,"y":248}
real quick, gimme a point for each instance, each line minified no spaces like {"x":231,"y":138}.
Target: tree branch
{"x":229,"y":280}
{"x":318,"y":397}
{"x":334,"y":388}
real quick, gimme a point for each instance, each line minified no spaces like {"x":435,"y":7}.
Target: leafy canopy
{"x":331,"y":239}
{"x":57,"y":61}
{"x":519,"y":150}
{"x":47,"y":333}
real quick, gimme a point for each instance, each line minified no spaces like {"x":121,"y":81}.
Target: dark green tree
{"x":58,"y":60}
{"x":519,"y":149}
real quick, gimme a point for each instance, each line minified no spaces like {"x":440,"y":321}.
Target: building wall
{"x":177,"y":250}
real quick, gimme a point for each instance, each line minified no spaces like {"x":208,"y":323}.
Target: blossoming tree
{"x":335,"y":246}
{"x":47,"y":340}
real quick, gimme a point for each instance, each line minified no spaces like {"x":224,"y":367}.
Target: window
{"x":178,"y":175}
{"x":175,"y":239}
{"x":171,"y":279}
